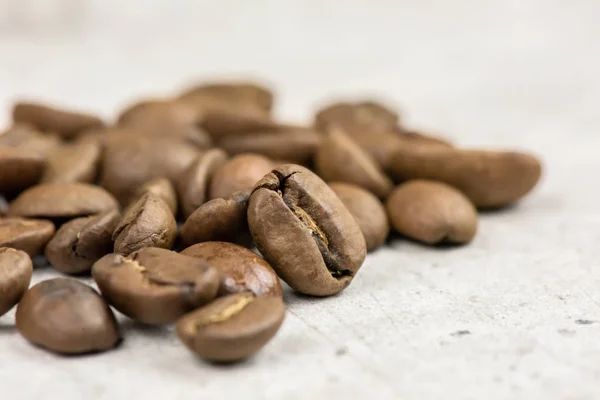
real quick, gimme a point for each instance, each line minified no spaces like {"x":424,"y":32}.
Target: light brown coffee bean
{"x":62,"y":200}
{"x":67,"y":124}
{"x":236,"y":121}
{"x":72,"y":163}
{"x":432,"y":212}
{"x":194,"y":183}
{"x":240,"y":173}
{"x":19,"y":169}
{"x":357,"y":119}
{"x":233,"y":327}
{"x":16,"y":269}
{"x":155,"y":286}
{"x":367,"y":210}
{"x":219,"y":220}
{"x":488,"y":178}
{"x":339,"y":158}
{"x":26,"y":137}
{"x":304,"y":231}
{"x":297,"y":145}
{"x":66,"y":316}
{"x":241,"y":270}
{"x":189,"y":134}
{"x":148,"y":223}
{"x":28,"y":235}
{"x":420,"y":137}
{"x":158,"y":111}
{"x":161,"y":187}
{"x":81,"y":242}
{"x":234,"y":94}
{"x":132,"y":160}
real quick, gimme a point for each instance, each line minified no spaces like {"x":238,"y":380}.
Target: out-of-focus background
{"x":514,"y":315}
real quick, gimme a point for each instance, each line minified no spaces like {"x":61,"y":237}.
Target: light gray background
{"x":514,"y":74}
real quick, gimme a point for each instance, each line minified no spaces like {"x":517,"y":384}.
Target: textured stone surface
{"x":514,"y":315}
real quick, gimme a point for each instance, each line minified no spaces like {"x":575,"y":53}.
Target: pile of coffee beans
{"x":169,"y":207}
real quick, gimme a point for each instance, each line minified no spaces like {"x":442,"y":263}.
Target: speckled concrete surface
{"x":514,"y":315}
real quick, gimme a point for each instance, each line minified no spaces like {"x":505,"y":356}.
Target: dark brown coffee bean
{"x":162,"y":188}
{"x":62,"y":200}
{"x":233,"y":94}
{"x":339,"y":158}
{"x":304,"y":231}
{"x":19,"y":169}
{"x":189,"y":134}
{"x":68,"y":124}
{"x":233,"y":327}
{"x":357,"y":119}
{"x":66,"y":316}
{"x":239,"y":174}
{"x":155,"y":286}
{"x":81,"y":242}
{"x":219,"y":220}
{"x":367,"y":210}
{"x":488,"y":178}
{"x":29,"y":235}
{"x":296,"y":145}
{"x":241,"y":270}
{"x":432,"y":212}
{"x":193,"y":184}
{"x":132,"y":160}
{"x":15,"y":274}
{"x":27,"y":138}
{"x":73,"y":163}
{"x":148,"y":223}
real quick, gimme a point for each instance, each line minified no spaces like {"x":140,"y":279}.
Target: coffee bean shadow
{"x":150,"y":331}
{"x":505,"y":209}
{"x":443,"y":245}
{"x":7,"y":329}
{"x":40,"y":262}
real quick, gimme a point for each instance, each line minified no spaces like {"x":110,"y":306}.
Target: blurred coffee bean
{"x":240,"y":173}
{"x":71,"y":163}
{"x":15,"y":274}
{"x":19,"y":169}
{"x":29,"y":235}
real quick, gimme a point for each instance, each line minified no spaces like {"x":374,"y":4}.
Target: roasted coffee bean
{"x":432,"y":212}
{"x":27,"y":138}
{"x":488,"y":178}
{"x":29,"y":235}
{"x":132,"y":160}
{"x":235,"y":122}
{"x":360,"y":118}
{"x":233,"y":327}
{"x":68,"y":124}
{"x":239,"y":174}
{"x":367,"y":210}
{"x":219,"y":220}
{"x":419,"y":137}
{"x":339,"y":158}
{"x":81,"y":242}
{"x":241,"y":270}
{"x":189,"y":134}
{"x":148,"y":223}
{"x":296,"y":145}
{"x":304,"y":231}
{"x":158,"y":111}
{"x":66,"y":316}
{"x":161,"y":187}
{"x":155,"y":286}
{"x":194,"y":183}
{"x":62,"y":200}
{"x":15,"y":274}
{"x":234,"y":94}
{"x":73,"y":163}
{"x":19,"y":169}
